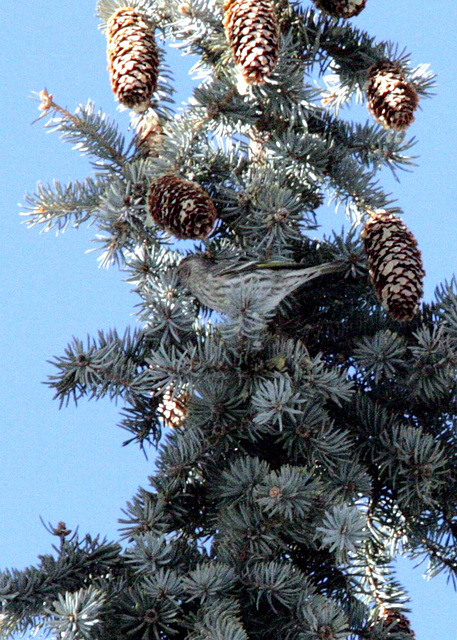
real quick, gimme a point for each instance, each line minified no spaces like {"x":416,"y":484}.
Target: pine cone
{"x":395,"y":623}
{"x":252,"y":29}
{"x":395,"y":265}
{"x":173,"y":411}
{"x":149,"y":133}
{"x":181,"y":207}
{"x":133,"y":58}
{"x":391,"y":98}
{"x":341,"y":8}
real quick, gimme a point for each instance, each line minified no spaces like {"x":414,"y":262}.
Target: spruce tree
{"x":302,"y":445}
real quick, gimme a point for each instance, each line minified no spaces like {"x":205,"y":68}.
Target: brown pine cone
{"x":251,"y":27}
{"x":173,"y":411}
{"x":341,"y":8}
{"x":395,"y":623}
{"x":395,"y":265}
{"x":181,"y":207}
{"x":133,"y":58}
{"x":391,"y":98}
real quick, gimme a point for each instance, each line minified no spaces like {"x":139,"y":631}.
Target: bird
{"x":218,"y":284}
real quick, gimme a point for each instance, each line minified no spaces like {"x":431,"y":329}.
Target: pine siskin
{"x":218,"y":284}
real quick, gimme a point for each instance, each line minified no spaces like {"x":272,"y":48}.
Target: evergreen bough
{"x":307,"y":449}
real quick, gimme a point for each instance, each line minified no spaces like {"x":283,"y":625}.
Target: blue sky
{"x":69,"y":465}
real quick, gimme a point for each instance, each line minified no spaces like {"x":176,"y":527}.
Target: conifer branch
{"x":92,"y":133}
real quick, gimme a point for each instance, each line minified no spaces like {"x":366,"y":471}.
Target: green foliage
{"x":309,"y":446}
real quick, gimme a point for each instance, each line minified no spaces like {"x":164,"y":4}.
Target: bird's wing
{"x":230,"y":267}
{"x":246,"y":266}
{"x":279,"y":264}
